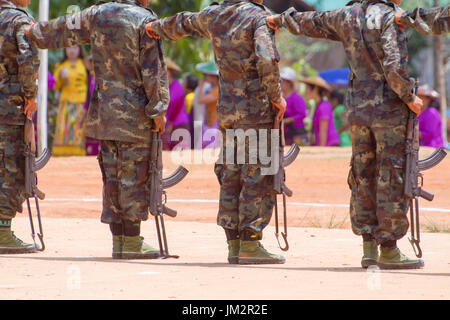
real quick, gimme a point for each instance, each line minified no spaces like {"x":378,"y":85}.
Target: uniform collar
{"x":255,"y":3}
{"x":134,"y":2}
{"x":238,"y":1}
{"x":387,"y":2}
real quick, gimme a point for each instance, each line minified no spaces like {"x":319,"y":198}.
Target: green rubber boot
{"x":370,"y":249}
{"x":233,"y":251}
{"x":136,"y":248}
{"x":10,"y":244}
{"x":252,"y":252}
{"x":392,"y":258}
{"x":117,"y":247}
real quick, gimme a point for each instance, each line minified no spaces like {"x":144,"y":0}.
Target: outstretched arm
{"x":314,"y":24}
{"x":62,"y":32}
{"x":426,"y":21}
{"x":183,"y":24}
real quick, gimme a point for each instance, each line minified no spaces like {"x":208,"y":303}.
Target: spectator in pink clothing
{"x":176,"y":115}
{"x":294,"y":128}
{"x":430,"y":123}
{"x":323,"y":122}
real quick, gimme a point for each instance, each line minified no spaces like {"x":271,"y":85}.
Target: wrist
{"x":278,"y":20}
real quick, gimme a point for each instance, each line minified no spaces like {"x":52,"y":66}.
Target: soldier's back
{"x":119,"y":100}
{"x":371,"y":98}
{"x":232,"y":30}
{"x":232,"y":26}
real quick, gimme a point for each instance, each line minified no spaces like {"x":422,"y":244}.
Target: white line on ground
{"x":297,"y":204}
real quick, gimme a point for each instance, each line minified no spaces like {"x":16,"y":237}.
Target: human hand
{"x":160,"y":124}
{"x":27,"y":31}
{"x":150,"y":32}
{"x":274,"y":22}
{"x":281,"y":107}
{"x":30,"y":108}
{"x":398,"y":16}
{"x":416,"y":106}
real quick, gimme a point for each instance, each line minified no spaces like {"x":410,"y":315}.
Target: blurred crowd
{"x":316,"y":114}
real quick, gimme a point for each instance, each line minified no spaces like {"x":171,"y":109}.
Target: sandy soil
{"x":323,"y":262}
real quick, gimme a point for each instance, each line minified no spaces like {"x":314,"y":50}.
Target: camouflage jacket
{"x":428,"y":21}
{"x":376,"y":49}
{"x":19,"y":64}
{"x":245,"y":55}
{"x":130,"y":71}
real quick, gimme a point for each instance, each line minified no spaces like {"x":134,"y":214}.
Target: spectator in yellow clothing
{"x":209,"y":98}
{"x":189,"y":85}
{"x":71,"y":81}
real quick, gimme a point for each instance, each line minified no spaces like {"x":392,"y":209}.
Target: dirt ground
{"x":323,"y":262}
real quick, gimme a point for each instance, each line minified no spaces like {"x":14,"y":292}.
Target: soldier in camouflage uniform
{"x":426,"y":21}
{"x":130,"y":98}
{"x":19,"y":65}
{"x":380,"y":92}
{"x":247,"y":59}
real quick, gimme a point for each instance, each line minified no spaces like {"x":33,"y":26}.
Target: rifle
{"x":31,"y":190}
{"x":158,"y":196}
{"x":414,"y":178}
{"x":279,"y":181}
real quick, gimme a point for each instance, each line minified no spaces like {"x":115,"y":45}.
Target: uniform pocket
{"x":102,"y":168}
{"x":218,"y":170}
{"x":397,"y":171}
{"x":2,"y":161}
{"x":351,"y":181}
{"x":3,"y":74}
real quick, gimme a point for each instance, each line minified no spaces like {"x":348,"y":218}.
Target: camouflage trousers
{"x":246,"y":196}
{"x":125,"y":172}
{"x":12,"y":171}
{"x":378,"y":206}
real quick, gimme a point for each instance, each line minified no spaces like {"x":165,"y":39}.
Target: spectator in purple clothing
{"x":430,"y":124}
{"x":176,"y":115}
{"x":295,"y":109}
{"x":50,"y":81}
{"x":322,"y":124}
